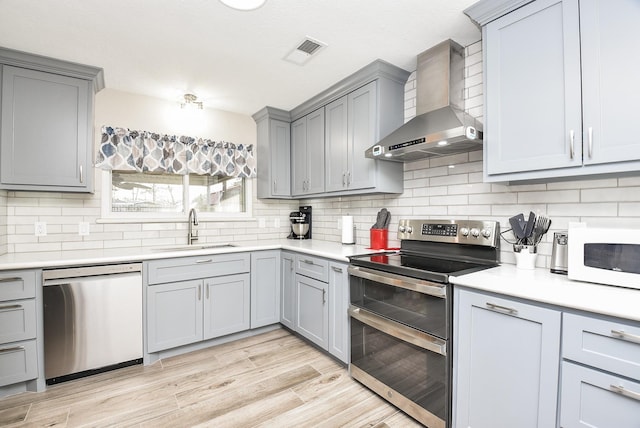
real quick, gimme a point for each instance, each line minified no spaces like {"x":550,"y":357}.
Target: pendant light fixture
{"x":244,"y":5}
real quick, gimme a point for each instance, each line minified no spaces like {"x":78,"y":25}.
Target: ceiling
{"x":231,"y":60}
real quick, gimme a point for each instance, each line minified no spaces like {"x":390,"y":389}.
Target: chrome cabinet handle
{"x":400,"y":331}
{"x":572,"y":138}
{"x":336,"y":269}
{"x":590,"y":134}
{"x":344,"y":179}
{"x":626,"y":336}
{"x":204,"y":261}
{"x":81,"y":175}
{"x":207,"y":290}
{"x":14,"y":349}
{"x":9,"y":307}
{"x":275,"y":186}
{"x":307,"y":261}
{"x":500,"y":308}
{"x":626,"y":392}
{"x":324,"y":296}
{"x":11,"y":279}
{"x":348,"y":178}
{"x":200,"y":292}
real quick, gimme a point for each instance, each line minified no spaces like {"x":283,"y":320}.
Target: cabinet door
{"x":507,"y":363}
{"x":362,"y":127}
{"x":315,"y":152}
{"x":288,"y":299}
{"x":533,"y":101}
{"x":226,"y":305}
{"x":299,"y":156}
{"x":336,"y":145}
{"x":280,"y":136}
{"x":265,"y":288}
{"x":174,"y":315}
{"x":45,"y":131}
{"x":595,"y":399}
{"x":610,"y":63}
{"x":338,"y":306}
{"x":312,"y":310}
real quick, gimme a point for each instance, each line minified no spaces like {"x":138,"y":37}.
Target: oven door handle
{"x":413,"y":284}
{"x":400,"y":331}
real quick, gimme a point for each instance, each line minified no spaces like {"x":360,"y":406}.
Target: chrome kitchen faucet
{"x":193,"y":226}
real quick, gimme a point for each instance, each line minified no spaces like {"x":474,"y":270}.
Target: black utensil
{"x":528,"y":230}
{"x":518,"y":225}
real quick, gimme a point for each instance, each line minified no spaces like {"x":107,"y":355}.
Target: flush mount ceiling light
{"x":190,"y":101}
{"x":244,"y":5}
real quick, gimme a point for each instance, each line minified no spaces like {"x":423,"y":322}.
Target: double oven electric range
{"x":401,"y":312}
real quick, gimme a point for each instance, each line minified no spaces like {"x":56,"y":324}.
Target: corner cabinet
{"x":559,"y":75}
{"x":46,"y":134}
{"x":274,"y":153}
{"x":506,"y":362}
{"x":307,"y":149}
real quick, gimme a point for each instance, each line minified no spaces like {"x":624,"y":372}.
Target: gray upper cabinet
{"x":559,"y":75}
{"x":274,"y":153}
{"x":46,"y":135}
{"x":307,"y":148}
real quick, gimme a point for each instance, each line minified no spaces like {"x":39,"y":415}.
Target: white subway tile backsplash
{"x":584,"y":209}
{"x":549,"y":196}
{"x":620,"y":194}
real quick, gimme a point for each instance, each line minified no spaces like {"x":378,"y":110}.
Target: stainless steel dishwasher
{"x":92,"y":320}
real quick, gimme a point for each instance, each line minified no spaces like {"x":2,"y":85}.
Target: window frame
{"x":108,"y":216}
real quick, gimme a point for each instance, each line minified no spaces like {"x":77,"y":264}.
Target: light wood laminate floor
{"x":271,"y":380}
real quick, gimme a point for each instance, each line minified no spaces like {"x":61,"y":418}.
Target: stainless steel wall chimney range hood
{"x":441,"y":126}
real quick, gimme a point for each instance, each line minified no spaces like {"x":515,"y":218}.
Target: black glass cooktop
{"x":418,"y":266}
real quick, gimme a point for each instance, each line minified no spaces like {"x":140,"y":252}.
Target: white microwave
{"x":604,"y":256}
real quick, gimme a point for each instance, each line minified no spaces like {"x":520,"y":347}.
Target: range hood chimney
{"x":441,"y":127}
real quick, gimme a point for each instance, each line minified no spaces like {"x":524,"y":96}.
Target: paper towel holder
{"x":348,"y":230}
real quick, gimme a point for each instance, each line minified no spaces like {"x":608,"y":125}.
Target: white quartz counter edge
{"x":52,"y":259}
{"x":540,"y":285}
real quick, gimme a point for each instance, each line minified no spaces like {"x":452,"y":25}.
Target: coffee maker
{"x":300,"y":223}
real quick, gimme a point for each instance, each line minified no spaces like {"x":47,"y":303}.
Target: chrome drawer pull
{"x":626,"y":392}
{"x":14,"y":349}
{"x":504,"y":309}
{"x":8,"y":307}
{"x":572,"y":137}
{"x":11,"y":279}
{"x":590,"y":133}
{"x":199,"y":292}
{"x":204,"y":261}
{"x":307,"y":261}
{"x":336,"y":269}
{"x":626,"y":336}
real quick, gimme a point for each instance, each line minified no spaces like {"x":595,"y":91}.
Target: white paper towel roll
{"x":347,"y":230}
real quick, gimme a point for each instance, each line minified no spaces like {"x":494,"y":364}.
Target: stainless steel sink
{"x":193,"y":247}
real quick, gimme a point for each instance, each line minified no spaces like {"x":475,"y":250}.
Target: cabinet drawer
{"x":590,"y":398}
{"x":17,"y":285}
{"x":312,"y":267}
{"x":18,"y":362}
{"x":185,"y":268}
{"x":607,"y":345}
{"x":17,"y":320}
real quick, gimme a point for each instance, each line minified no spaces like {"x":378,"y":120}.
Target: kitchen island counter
{"x":51,"y":259}
{"x":540,"y":285}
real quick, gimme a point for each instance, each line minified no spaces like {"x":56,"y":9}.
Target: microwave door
{"x":613,"y":257}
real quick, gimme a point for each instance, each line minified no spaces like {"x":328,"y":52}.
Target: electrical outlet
{"x":262,"y":223}
{"x":83,"y":228}
{"x":40,"y":228}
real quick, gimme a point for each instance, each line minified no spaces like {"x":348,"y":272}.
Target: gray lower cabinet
{"x":288,"y":294}
{"x":18,"y":327}
{"x":339,"y":334}
{"x":575,"y":103}
{"x":506,"y":362}
{"x":46,"y":139}
{"x":265,"y":288}
{"x":312,"y":310}
{"x":600,"y":386}
{"x":190,"y":299}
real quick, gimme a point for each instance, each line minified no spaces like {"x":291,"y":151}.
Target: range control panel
{"x":472,"y":232}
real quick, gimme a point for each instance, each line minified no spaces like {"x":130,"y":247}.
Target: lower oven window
{"x":418,"y":310}
{"x":416,"y":373}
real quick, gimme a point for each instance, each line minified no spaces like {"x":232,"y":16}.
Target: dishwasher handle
{"x":78,"y":272}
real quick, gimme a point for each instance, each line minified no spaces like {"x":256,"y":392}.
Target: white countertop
{"x":50,"y":259}
{"x":543,"y":286}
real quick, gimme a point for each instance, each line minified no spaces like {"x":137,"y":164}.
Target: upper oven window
{"x":418,"y":310}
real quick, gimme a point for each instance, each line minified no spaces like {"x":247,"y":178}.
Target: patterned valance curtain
{"x":122,"y":149}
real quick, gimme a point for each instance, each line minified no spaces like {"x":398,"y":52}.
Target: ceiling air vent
{"x":304,"y":50}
